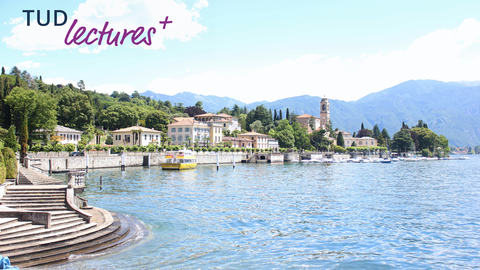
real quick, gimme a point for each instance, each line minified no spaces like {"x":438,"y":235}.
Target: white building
{"x":67,"y":135}
{"x":136,"y":135}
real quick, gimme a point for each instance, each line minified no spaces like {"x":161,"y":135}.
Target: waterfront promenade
{"x":42,"y":222}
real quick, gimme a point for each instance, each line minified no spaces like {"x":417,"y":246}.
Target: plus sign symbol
{"x":165,"y":22}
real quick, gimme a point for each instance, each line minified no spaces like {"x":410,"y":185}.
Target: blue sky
{"x":251,"y":50}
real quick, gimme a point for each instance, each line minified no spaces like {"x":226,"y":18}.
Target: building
{"x":67,"y":135}
{"x":186,"y":128}
{"x":304,"y":120}
{"x":324,"y":112}
{"x":359,"y":142}
{"x":259,"y":140}
{"x":229,"y":122}
{"x":272,"y":144}
{"x":239,"y":142}
{"x":136,"y":135}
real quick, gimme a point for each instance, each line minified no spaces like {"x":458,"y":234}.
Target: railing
{"x":76,"y":180}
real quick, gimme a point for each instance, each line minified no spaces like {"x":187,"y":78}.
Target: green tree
{"x":81,"y":85}
{"x":74,"y":109}
{"x":402,"y":140}
{"x":199,"y":105}
{"x":39,"y":108}
{"x":302,"y":139}
{"x":69,"y":147}
{"x":376,"y":131}
{"x":3,"y":171}
{"x":16,"y":71}
{"x":119,"y":116}
{"x":3,"y":70}
{"x":24,"y":139}
{"x":256,"y":126}
{"x":10,"y":163}
{"x":157,"y":120}
{"x":284,"y":134}
{"x":11,"y":139}
{"x":287,"y":115}
{"x":319,"y":140}
{"x":340,"y":140}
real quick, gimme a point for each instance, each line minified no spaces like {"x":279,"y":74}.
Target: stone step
{"x":35,"y":191}
{"x":62,"y":213}
{"x":43,"y":201}
{"x":59,"y":222}
{"x":30,"y":197}
{"x":5,"y":221}
{"x":109,"y":237}
{"x":48,"y":236}
{"x":43,"y":208}
{"x":34,"y":205}
{"x":13,"y":226}
{"x":30,"y":228}
{"x":63,"y":217}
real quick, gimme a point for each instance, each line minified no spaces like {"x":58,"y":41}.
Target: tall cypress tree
{"x":3,"y":70}
{"x":11,"y":139}
{"x":280,"y":117}
{"x":288,"y":115}
{"x":362,"y":126}
{"x":275,"y":117}
{"x":340,"y":140}
{"x":24,"y":139}
{"x":376,"y":131}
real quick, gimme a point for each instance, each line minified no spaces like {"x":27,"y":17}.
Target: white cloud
{"x":16,"y":20}
{"x":120,"y":15}
{"x":27,"y":65}
{"x":109,"y":88}
{"x":33,"y":54}
{"x":84,"y":50}
{"x":59,"y":80}
{"x":445,"y":55}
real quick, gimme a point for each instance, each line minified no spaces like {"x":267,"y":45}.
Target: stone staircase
{"x":68,"y":232}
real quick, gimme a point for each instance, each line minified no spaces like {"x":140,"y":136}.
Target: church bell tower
{"x":324,"y":112}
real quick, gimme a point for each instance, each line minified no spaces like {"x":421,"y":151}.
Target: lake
{"x":264,"y":216}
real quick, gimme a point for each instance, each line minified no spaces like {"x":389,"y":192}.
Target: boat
{"x":387,"y":160}
{"x":179,"y":160}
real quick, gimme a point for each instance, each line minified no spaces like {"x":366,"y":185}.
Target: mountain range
{"x":451,"y":109}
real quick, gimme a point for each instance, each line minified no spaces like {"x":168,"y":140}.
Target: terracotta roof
{"x":205,"y":115}
{"x":307,"y":116}
{"x":227,"y":139}
{"x":224,"y":115}
{"x":252,"y":133}
{"x":185,"y":122}
{"x":178,"y":119}
{"x":129,"y":129}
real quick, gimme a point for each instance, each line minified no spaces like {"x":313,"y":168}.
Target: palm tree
{"x":189,"y":139}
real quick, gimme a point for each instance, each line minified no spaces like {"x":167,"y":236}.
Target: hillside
{"x":449,"y":108}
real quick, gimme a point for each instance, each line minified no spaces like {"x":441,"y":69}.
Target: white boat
{"x":294,"y":161}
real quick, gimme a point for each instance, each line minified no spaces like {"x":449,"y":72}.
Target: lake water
{"x":264,"y":216}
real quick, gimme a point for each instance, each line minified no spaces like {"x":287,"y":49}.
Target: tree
{"x":157,"y":120}
{"x":11,"y":139}
{"x":10,"y":162}
{"x":340,"y":140}
{"x":302,"y":140}
{"x":287,"y":115}
{"x":199,"y":105}
{"x":402,"y":140}
{"x":280,"y":117}
{"x":16,"y":71}
{"x":2,"y":169}
{"x":39,"y":108}
{"x":136,"y":94}
{"x":275,"y":116}
{"x":192,"y":111}
{"x":362,"y":127}
{"x":256,"y":126}
{"x":81,"y":85}
{"x":74,"y":109}
{"x":284,"y":134}
{"x":311,"y":123}
{"x":124,"y":97}
{"x":3,"y":70}
{"x":364,"y":133}
{"x":24,"y":139}
{"x":319,"y":140}
{"x":376,"y":131}
{"x":118,"y":116}
{"x":385,"y":134}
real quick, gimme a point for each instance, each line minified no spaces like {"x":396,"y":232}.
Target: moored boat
{"x":179,"y":160}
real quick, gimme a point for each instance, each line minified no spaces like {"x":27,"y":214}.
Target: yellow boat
{"x":180,"y":160}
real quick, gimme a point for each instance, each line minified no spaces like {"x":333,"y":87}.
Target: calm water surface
{"x":261,"y":216}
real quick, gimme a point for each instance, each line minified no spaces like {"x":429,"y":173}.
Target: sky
{"x":247,"y":50}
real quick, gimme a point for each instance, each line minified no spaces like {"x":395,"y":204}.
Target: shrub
{"x":89,"y":147}
{"x":58,"y":147}
{"x":47,"y":148}
{"x":106,"y":147}
{"x":120,"y":148}
{"x":97,"y":147}
{"x":2,"y":169}
{"x":81,"y":146}
{"x":151,"y":148}
{"x":36,"y":148}
{"x":142,"y":149}
{"x":426,"y":153}
{"x":204,"y":149}
{"x":128,"y":148}
{"x":70,"y":147}
{"x":10,"y":161}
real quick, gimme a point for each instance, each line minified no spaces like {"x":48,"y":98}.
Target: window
{"x":372,"y":142}
{"x":187,"y":129}
{"x":224,"y":125}
{"x":180,"y":129}
{"x":180,"y":137}
{"x":157,"y":137}
{"x":145,"y":137}
{"x":127,"y":138}
{"x":173,"y":138}
{"x":173,"y":129}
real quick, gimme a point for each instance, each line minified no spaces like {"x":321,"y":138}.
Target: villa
{"x":136,"y":135}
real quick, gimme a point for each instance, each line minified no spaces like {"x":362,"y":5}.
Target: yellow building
{"x":259,"y":140}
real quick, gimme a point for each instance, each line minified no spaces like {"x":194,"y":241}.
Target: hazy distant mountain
{"x":451,"y":109}
{"x":210,"y":103}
